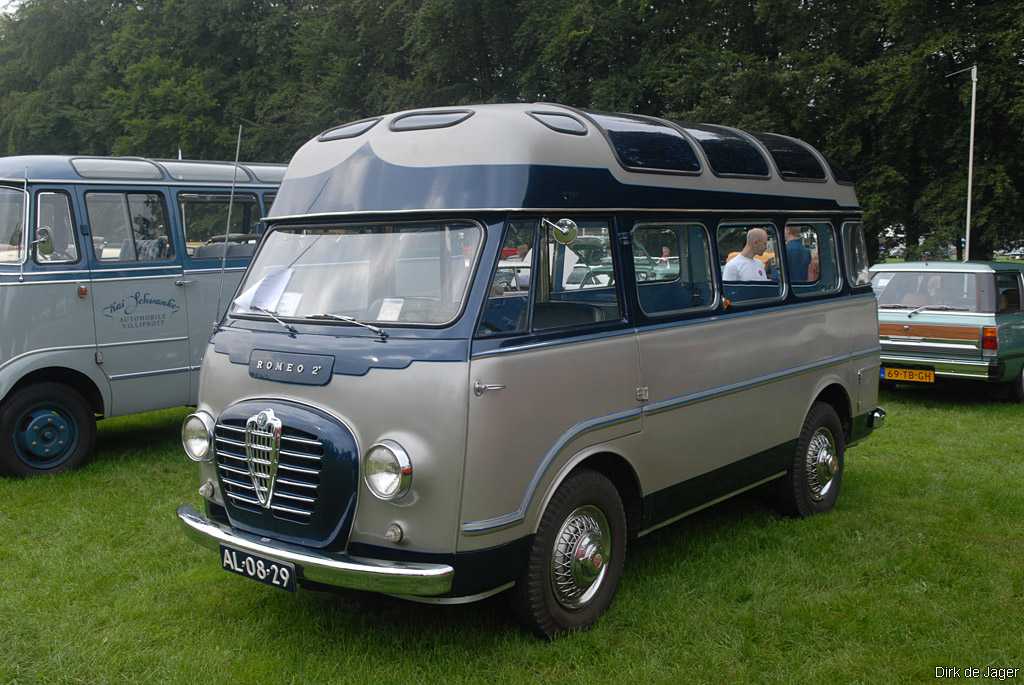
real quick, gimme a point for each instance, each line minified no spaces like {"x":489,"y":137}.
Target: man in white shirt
{"x":743,"y":267}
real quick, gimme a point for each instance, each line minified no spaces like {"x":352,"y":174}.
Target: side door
{"x":139,"y":308}
{"x":554,"y":367}
{"x":211,"y":244}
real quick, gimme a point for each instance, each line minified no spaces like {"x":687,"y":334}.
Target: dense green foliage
{"x":918,"y":566}
{"x":865,"y":81}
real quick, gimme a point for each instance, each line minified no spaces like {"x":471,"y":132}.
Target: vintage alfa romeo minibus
{"x":483,"y":348}
{"x":108,"y":299}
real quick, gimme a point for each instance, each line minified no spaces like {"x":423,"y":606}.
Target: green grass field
{"x":921,"y":565}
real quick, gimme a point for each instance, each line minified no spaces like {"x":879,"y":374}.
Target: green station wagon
{"x":951,"y":320}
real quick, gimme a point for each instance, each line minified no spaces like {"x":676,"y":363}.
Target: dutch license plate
{"x":274,"y":573}
{"x":912,"y":375}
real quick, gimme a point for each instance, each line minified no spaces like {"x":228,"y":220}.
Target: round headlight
{"x":197,"y":436}
{"x":387,"y":470}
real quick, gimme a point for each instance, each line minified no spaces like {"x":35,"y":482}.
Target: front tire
{"x":816,"y":471}
{"x":576,"y":558}
{"x":45,"y":428}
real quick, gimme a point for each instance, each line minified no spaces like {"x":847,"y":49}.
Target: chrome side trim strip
{"x":712,"y":503}
{"x":342,"y":570}
{"x":513,"y":517}
{"x":467,"y":599}
{"x":146,"y":374}
{"x":723,"y":390}
{"x":217,"y":270}
{"x":143,"y":342}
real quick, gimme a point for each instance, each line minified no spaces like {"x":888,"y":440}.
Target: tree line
{"x":865,"y":81}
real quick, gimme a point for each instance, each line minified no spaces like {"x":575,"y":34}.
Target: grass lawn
{"x":920,"y":565}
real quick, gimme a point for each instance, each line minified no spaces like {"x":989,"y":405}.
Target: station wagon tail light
{"x":197,"y":436}
{"x":387,"y":470}
{"x":989,"y":340}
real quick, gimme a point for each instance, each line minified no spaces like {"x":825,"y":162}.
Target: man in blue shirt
{"x":798,"y":257}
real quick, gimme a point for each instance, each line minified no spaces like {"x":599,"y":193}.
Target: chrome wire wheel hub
{"x":579,"y":559}
{"x":822,"y":461}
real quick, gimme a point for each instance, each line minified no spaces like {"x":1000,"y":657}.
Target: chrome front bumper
{"x":951,"y":368}
{"x":340,"y":570}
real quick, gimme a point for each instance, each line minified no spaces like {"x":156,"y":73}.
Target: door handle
{"x":182,"y":282}
{"x":480,"y":388}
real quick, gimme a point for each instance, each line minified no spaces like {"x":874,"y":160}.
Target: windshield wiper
{"x":291,"y":329}
{"x":937,"y":308}
{"x":894,"y":306}
{"x":352,"y":320}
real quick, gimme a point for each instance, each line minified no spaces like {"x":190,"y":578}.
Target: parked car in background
{"x":951,"y":320}
{"x":110,"y":278}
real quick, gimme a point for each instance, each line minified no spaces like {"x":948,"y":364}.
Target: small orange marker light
{"x":726,"y":303}
{"x":83,"y":292}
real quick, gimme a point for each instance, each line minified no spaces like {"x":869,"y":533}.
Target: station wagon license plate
{"x":912,"y":375}
{"x":274,"y":573}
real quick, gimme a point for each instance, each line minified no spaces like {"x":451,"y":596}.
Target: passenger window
{"x":1007,"y":293}
{"x":204,"y":219}
{"x":672,"y":263}
{"x":577,"y":275}
{"x":12,"y":214}
{"x":857,"y":262}
{"x":58,"y":244}
{"x":129,"y":226}
{"x":812,"y":261}
{"x":268,"y":202}
{"x":748,"y":255}
{"x":509,"y":293}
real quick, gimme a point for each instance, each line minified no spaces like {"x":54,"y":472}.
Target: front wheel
{"x":816,"y":471}
{"x":45,"y":428}
{"x":576,"y":558}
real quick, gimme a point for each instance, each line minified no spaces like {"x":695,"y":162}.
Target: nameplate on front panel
{"x":289,"y":367}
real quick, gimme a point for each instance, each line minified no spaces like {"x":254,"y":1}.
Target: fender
{"x":80,"y":359}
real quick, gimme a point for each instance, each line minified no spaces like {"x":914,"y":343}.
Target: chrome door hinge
{"x":643,"y":393}
{"x":99,"y":357}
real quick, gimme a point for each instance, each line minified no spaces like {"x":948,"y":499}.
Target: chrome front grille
{"x":292,"y":484}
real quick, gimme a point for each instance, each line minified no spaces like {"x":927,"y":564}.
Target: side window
{"x":509,"y":294}
{"x":812,"y":260}
{"x":12,"y":214}
{"x":268,"y":202}
{"x":55,"y":228}
{"x":129,"y":226}
{"x":748,"y":254}
{"x":856,"y":248}
{"x":576,"y":279}
{"x":1007,"y":292}
{"x":204,"y":219}
{"x":673,"y":268}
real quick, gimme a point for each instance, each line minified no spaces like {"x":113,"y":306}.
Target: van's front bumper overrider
{"x":339,"y":570}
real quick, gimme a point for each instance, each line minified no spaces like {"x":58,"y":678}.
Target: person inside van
{"x":744,"y":266}
{"x":798,"y":257}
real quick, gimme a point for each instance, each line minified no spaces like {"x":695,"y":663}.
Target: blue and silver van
{"x":481,"y":349}
{"x":112,"y":272}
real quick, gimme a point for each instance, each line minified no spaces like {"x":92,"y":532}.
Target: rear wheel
{"x":816,"y":470}
{"x":576,"y":558}
{"x":1016,"y":388}
{"x":45,"y":428}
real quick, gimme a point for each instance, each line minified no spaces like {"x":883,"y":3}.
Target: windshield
{"x":408,"y":273}
{"x":942,"y":291}
{"x":12,"y":214}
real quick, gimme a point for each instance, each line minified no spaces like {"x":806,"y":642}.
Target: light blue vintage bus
{"x":112,"y":271}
